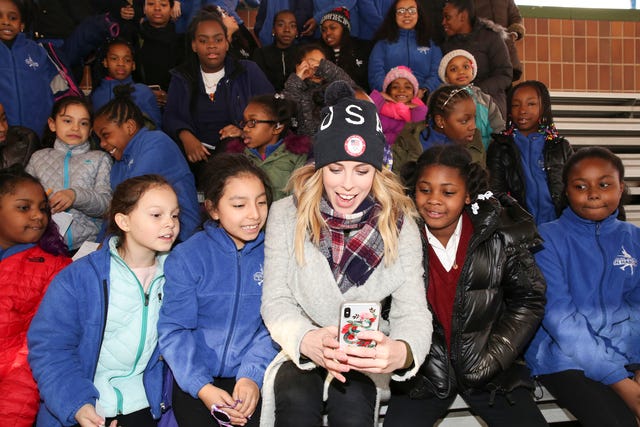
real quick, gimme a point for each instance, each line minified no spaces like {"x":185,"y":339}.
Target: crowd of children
{"x":404,"y":169}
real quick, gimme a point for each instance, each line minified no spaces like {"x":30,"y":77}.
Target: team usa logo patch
{"x":625,"y":260}
{"x":354,"y":145}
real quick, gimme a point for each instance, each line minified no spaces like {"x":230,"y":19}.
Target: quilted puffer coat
{"x":499,"y":302}
{"x":86,"y":172}
{"x":24,"y":278}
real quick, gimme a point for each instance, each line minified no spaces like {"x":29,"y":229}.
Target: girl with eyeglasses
{"x":406,"y":38}
{"x":268,"y":141}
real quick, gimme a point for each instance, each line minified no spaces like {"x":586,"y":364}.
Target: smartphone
{"x":357,"y":317}
{"x":155,"y":87}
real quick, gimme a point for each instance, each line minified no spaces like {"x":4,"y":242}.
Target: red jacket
{"x":24,"y":278}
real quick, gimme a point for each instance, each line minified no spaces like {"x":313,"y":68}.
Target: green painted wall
{"x":579,"y":13}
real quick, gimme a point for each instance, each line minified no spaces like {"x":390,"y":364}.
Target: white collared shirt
{"x":447,"y":256}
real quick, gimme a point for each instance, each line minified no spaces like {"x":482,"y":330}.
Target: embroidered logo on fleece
{"x":258,"y":276}
{"x":424,"y":49}
{"x":31,"y":63}
{"x":625,"y":260}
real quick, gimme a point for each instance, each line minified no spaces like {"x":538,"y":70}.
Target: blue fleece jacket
{"x":538,"y":196}
{"x":592,"y":320}
{"x":423,"y":60}
{"x":24,"y":87}
{"x":65,"y":339}
{"x":210,"y":324}
{"x":152,"y":151}
{"x":142,"y":96}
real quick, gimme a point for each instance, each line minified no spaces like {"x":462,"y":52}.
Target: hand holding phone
{"x":356,"y":317}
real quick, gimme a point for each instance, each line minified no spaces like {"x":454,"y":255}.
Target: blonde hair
{"x":307,"y":187}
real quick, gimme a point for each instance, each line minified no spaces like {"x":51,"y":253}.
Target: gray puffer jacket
{"x":86,"y":172}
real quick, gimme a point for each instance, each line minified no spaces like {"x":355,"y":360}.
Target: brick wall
{"x":577,"y":54}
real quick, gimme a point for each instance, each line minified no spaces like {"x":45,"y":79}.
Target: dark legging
{"x":299,"y":402}
{"x":190,"y":412}
{"x":520,"y":410}
{"x":591,"y":402}
{"x":141,"y":418}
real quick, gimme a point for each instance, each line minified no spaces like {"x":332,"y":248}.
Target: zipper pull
{"x":146,"y":300}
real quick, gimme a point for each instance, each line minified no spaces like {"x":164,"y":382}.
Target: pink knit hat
{"x":401,"y":72}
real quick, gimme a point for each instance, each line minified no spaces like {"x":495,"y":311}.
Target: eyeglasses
{"x":409,"y":10}
{"x":253,"y":122}
{"x":219,"y":414}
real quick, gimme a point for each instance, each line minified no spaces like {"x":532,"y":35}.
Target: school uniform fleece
{"x":592,"y":321}
{"x":210,"y":324}
{"x":423,"y":60}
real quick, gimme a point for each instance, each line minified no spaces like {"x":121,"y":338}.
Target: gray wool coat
{"x":297,"y":299}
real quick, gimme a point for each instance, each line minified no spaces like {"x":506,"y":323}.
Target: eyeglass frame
{"x":410,"y":10}
{"x":254,"y":122}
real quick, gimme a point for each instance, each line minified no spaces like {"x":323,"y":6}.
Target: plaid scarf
{"x":352,"y":257}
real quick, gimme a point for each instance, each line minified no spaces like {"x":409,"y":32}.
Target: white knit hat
{"x":442,"y":69}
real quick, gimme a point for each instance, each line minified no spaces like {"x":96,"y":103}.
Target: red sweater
{"x":24,"y":278}
{"x":441,"y":290}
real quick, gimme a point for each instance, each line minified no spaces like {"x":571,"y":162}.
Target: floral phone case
{"x":357,"y":317}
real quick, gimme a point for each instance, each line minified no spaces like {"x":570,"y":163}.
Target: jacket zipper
{"x":143,"y":335}
{"x":234,"y":315}
{"x":601,"y":287}
{"x":65,"y":184}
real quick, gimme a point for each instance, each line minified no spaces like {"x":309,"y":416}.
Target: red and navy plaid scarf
{"x":352,"y":243}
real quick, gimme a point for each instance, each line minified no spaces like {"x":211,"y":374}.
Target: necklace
{"x":210,"y":84}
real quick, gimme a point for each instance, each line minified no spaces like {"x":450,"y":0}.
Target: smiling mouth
{"x":250,"y":228}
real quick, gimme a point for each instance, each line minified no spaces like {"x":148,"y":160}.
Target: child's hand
{"x":629,"y":391}
{"x":309,"y":27}
{"x":247,"y":392}
{"x":211,"y":395}
{"x":87,"y":417}
{"x":193,"y":148}
{"x":387,"y":356}
{"x":127,"y":13}
{"x":387,"y":97}
{"x":421,"y":92}
{"x":321,"y":346}
{"x":230,"y":131}
{"x":161,"y":97}
{"x":176,"y":11}
{"x":306,"y":70}
{"x":62,"y":200}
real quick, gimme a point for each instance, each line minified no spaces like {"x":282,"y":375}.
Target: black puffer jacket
{"x":499,"y":304}
{"x":504,"y":164}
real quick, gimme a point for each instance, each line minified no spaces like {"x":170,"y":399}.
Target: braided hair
{"x":122,"y":108}
{"x":443,"y":100}
{"x":453,"y":156}
{"x":547,"y":126}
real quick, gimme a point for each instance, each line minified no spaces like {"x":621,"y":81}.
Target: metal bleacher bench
{"x":610,"y":120}
{"x":459,"y":415}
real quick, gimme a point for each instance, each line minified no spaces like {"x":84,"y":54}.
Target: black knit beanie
{"x":350,"y":130}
